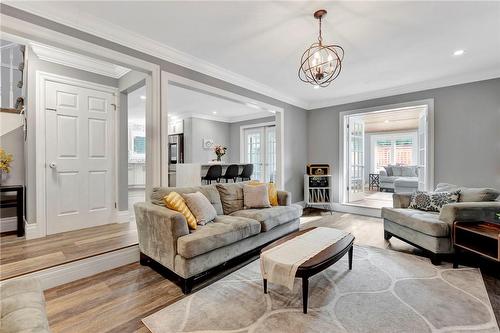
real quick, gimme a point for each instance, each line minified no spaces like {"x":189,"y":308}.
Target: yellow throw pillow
{"x":273,"y":194}
{"x":176,"y":202}
{"x":271,"y":189}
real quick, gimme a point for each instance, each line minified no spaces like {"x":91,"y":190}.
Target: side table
{"x":373,"y":181}
{"x":17,"y":200}
{"x":481,"y":238}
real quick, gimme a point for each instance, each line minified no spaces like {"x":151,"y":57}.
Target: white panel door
{"x":422,"y":151}
{"x":79,"y":157}
{"x":356,"y":159}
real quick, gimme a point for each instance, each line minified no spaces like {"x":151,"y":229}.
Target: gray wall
{"x":295,"y":118}
{"x":466,"y":132}
{"x":234,"y":153}
{"x":200,"y":129}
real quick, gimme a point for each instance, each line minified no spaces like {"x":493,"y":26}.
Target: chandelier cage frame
{"x":317,"y":57}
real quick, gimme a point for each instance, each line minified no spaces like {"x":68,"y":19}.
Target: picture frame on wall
{"x":207,"y":143}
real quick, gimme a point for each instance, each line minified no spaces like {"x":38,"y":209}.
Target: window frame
{"x":392,"y":137}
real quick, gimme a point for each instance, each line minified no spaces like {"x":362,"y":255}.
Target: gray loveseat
{"x":431,"y":231}
{"x":164,"y":236}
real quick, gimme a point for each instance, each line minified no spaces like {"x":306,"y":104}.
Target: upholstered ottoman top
{"x":406,"y":182}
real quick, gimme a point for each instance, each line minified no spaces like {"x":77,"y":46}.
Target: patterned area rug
{"x":386,"y":291}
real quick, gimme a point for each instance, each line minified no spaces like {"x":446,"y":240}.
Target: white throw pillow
{"x":200,"y":207}
{"x":256,"y":196}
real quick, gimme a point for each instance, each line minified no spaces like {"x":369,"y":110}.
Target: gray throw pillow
{"x":408,"y":171}
{"x":231,"y":196}
{"x":201,"y":207}
{"x":256,"y":196}
{"x":432,"y":201}
{"x":388,"y":170}
{"x":397,"y":171}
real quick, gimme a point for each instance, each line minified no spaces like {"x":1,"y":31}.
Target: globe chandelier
{"x":320,"y":64}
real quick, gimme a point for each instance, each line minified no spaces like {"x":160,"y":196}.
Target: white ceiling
{"x":183,"y":102}
{"x":390,"y":47}
{"x":393,"y":120}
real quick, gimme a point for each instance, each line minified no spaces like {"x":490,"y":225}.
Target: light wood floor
{"x":374,"y":199}
{"x":117,"y":300}
{"x":19,"y":256}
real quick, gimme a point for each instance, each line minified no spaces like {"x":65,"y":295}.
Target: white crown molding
{"x":230,"y":120}
{"x":415,"y":87}
{"x":125,"y":37}
{"x":75,"y":60}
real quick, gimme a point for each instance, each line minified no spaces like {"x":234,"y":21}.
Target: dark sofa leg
{"x":144,"y":259}
{"x":435,"y":259}
{"x":387,"y":235}
{"x":187,"y":285}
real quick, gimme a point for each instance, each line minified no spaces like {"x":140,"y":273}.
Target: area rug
{"x":386,"y":291}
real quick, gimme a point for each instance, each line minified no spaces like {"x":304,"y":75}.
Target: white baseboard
{"x":300,"y":203}
{"x":367,"y":211}
{"x":32,"y":230}
{"x":55,"y":276}
{"x":8,"y":224}
{"x":122,"y":216}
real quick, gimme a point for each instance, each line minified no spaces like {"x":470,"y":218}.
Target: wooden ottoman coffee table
{"x":317,"y":262}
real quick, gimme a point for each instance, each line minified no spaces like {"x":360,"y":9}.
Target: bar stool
{"x":247,"y":172}
{"x":214,"y":173}
{"x":231,"y":173}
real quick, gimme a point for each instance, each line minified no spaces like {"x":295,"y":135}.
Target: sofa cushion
{"x":210,"y":191}
{"x":271,"y":217}
{"x":231,"y":196}
{"x":256,"y":196}
{"x":223,"y":231}
{"x":425,"y":222}
{"x":470,"y":194}
{"x":200,"y":207}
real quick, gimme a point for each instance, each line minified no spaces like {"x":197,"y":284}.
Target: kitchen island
{"x":189,"y":174}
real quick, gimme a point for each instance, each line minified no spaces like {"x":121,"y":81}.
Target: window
{"x":400,"y":149}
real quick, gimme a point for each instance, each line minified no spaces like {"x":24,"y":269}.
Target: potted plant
{"x":220,"y":151}
{"x":5,"y":160}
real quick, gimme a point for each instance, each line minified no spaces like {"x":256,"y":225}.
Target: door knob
{"x":52,"y":165}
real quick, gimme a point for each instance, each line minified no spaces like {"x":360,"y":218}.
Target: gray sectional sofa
{"x":399,"y":179}
{"x":432,"y":231}
{"x":164,"y":236}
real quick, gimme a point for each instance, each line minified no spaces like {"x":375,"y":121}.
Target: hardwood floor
{"x":19,"y":256}
{"x":117,"y":300}
{"x":374,"y":199}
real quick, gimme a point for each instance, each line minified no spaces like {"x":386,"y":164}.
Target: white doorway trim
{"x":40,"y":159}
{"x":23,"y":32}
{"x":279,"y":113}
{"x":428,"y":103}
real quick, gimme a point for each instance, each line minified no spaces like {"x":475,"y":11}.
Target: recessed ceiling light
{"x":458,"y":52}
{"x":214,"y":112}
{"x":143,"y":97}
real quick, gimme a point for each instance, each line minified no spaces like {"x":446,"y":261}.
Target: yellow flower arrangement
{"x":5,"y":160}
